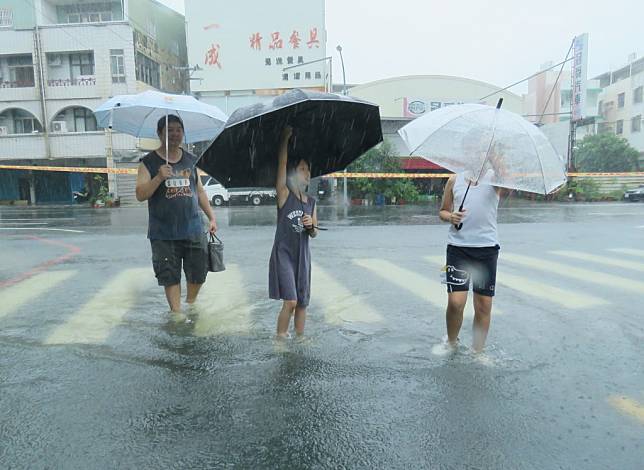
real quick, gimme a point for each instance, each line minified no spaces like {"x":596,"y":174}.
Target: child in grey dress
{"x":289,"y":277}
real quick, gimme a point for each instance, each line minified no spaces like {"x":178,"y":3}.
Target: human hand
{"x":457,"y":217}
{"x":165,"y":172}
{"x":307,"y":221}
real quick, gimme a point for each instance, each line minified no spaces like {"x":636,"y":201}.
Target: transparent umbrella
{"x":489,"y":145}
{"x":137,"y":115}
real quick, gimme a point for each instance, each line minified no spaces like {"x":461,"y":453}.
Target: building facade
{"x":621,"y":103}
{"x":59,"y":60}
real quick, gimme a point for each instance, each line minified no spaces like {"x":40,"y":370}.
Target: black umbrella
{"x":330,"y":131}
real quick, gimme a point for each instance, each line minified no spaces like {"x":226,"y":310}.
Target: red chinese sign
{"x":276,"y":42}
{"x":256,"y":41}
{"x":212,"y":56}
{"x":295,"y":40}
{"x":313,"y":41}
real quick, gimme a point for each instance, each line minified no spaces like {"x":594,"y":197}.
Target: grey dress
{"x":289,"y":273}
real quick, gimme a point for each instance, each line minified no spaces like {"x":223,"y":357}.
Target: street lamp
{"x":344,"y":76}
{"x":344,"y":92}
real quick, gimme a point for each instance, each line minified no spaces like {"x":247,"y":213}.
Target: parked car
{"x":635,"y":195}
{"x":218,"y":195}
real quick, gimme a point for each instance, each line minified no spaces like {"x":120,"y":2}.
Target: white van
{"x":218,"y":195}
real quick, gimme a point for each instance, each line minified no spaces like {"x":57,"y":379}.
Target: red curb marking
{"x":72,"y":251}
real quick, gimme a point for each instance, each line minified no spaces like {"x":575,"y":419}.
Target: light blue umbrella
{"x":137,"y":115}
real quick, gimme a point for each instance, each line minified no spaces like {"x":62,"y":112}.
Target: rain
{"x":222,"y":249}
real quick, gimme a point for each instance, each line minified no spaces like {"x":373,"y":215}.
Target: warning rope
{"x":133,"y":171}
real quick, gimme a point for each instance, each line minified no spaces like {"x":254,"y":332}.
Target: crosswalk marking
{"x":628,"y":251}
{"x":617,"y":262}
{"x":422,"y":287}
{"x":18,"y":295}
{"x":594,"y":277}
{"x":554,"y":294}
{"x":340,"y":305}
{"x":223,"y":306}
{"x":628,"y":406}
{"x":92,"y":323}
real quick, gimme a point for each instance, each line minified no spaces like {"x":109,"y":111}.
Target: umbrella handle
{"x":460,"y":209}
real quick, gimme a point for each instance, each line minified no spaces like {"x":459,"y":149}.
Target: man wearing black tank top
{"x":168,"y":180}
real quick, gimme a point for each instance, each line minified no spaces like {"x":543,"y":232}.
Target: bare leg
{"x":481,"y":325}
{"x":300,"y":320}
{"x":193,"y":290}
{"x":173,"y":294}
{"x":454,"y":317}
{"x":284,"y":318}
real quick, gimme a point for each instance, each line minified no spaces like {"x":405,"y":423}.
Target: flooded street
{"x":94,"y":373}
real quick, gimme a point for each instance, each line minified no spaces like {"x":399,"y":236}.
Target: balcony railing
{"x":17,"y":84}
{"x":80,"y":81}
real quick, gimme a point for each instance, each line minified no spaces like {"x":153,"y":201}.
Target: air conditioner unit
{"x":55,"y":60}
{"x":59,"y":126}
{"x":4,"y":130}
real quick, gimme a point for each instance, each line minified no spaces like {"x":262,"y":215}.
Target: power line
{"x":556,"y":81}
{"x":526,"y":79}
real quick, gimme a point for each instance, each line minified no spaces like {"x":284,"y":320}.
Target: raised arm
{"x":282,"y":161}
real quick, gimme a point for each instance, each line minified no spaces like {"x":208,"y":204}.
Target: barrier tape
{"x":133,"y":171}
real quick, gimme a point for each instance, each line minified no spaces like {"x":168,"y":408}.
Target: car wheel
{"x":217,"y":201}
{"x":256,"y":200}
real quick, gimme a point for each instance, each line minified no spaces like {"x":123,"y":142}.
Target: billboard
{"x":416,"y":107}
{"x":247,"y":44}
{"x":579,"y":76}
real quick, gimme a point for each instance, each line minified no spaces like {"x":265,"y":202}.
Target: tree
{"x":381,"y":159}
{"x":606,"y":153}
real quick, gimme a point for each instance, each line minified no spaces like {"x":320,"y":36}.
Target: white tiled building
{"x":59,"y":60}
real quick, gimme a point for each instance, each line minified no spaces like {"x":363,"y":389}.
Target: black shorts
{"x":169,"y":255}
{"x":475,"y":264}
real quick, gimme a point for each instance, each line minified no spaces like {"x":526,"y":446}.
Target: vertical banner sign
{"x":579,"y":76}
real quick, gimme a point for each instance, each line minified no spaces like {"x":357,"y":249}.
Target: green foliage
{"x":606,"y":153}
{"x":381,"y":160}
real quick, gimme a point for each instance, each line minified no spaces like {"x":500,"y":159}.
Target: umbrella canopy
{"x":487,"y":144}
{"x":330,"y":131}
{"x":138,"y":115}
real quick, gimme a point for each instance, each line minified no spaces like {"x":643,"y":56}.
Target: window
{"x":84,"y":120}
{"x":6,"y":17}
{"x":297,"y":76}
{"x":636,"y":123}
{"x":619,"y":128}
{"x":88,"y":12}
{"x":285,"y":77}
{"x":151,"y":29}
{"x":307,"y":75}
{"x":117,"y":64}
{"x":621,"y":98}
{"x":318,"y":75}
{"x":23,"y":122}
{"x":637,"y":94}
{"x":81,"y":64}
{"x":147,"y":70}
{"x":21,"y":71}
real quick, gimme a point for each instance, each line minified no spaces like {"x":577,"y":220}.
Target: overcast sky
{"x":499,"y":44}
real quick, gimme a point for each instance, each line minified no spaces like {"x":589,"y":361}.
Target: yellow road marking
{"x":93,"y":322}
{"x":339,"y":303}
{"x":422,"y":287}
{"x":628,"y":251}
{"x":537,"y":289}
{"x":628,"y":406}
{"x":617,"y":262}
{"x":19,"y":294}
{"x":593,"y":277}
{"x":223,"y":306}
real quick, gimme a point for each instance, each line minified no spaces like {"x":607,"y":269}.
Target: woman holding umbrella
{"x":290,"y":262}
